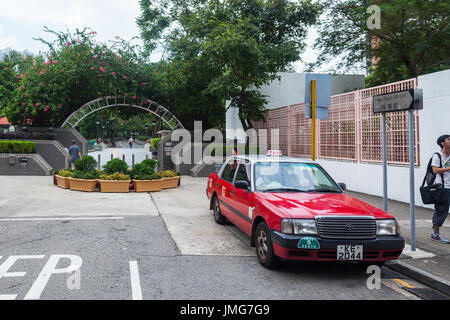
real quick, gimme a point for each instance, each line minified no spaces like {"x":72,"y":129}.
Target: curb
{"x":420,"y":275}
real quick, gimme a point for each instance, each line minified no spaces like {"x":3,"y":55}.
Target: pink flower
{"x":92,"y":68}
{"x":102,"y":69}
{"x":5,"y":68}
{"x":113,"y":73}
{"x":36,"y":104}
{"x":47,"y":63}
{"x":21,"y":76}
{"x":69,"y":44}
{"x":78,"y":40}
{"x":26,"y":94}
{"x":94,"y":32}
{"x":54,"y":61}
{"x":133,"y":97}
{"x":23,"y":103}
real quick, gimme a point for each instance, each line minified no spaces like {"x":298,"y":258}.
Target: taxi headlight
{"x":388,"y":228}
{"x":298,"y":226}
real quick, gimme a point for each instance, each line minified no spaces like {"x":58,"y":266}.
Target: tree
{"x":236,"y":46}
{"x":413,"y":38}
{"x":76,"y":69}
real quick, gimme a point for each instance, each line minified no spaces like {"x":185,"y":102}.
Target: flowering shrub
{"x":76,"y":69}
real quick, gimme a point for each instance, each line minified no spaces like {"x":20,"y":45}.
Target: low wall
{"x":24,"y":165}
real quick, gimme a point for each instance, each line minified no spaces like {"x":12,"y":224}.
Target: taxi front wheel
{"x":264,"y":248}
{"x":218,"y":217}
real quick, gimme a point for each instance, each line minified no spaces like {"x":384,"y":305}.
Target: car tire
{"x":218,"y":217}
{"x":264,"y":247}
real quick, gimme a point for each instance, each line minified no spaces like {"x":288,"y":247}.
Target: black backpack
{"x":433,"y":193}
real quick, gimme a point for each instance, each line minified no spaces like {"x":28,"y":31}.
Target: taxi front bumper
{"x":381,"y":248}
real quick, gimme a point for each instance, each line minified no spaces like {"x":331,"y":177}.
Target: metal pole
{"x":98,"y":162}
{"x":385,"y":194}
{"x":313,"y":113}
{"x":411,"y":180}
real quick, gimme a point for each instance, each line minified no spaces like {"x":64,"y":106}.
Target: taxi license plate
{"x":349,"y":252}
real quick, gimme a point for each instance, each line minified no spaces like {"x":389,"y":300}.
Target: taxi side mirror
{"x":242,"y":184}
{"x":342,"y":186}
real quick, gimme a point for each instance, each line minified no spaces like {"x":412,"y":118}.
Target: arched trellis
{"x":114,"y":101}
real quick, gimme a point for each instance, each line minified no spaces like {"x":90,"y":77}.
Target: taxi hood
{"x":311,"y":205}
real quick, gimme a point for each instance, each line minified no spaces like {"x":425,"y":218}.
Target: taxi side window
{"x":229,"y":171}
{"x":242,"y":173}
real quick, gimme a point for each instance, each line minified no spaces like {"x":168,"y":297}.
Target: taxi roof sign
{"x":275,"y":153}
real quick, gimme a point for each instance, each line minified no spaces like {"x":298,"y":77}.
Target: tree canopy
{"x":229,"y":49}
{"x":413,"y":38}
{"x":76,"y":70}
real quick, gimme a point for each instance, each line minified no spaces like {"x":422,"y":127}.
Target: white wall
{"x":290,"y":90}
{"x":434,"y":121}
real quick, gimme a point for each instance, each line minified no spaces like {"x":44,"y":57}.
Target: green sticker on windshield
{"x":308,"y":243}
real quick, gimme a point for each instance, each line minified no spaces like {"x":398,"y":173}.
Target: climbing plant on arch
{"x":122,"y":101}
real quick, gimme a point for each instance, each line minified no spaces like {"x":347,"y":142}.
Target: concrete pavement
{"x":430,"y":263}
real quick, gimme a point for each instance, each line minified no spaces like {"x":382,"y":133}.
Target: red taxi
{"x":292,"y":209}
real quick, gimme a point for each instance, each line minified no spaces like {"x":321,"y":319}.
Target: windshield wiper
{"x":283,"y":190}
{"x":323,"y":190}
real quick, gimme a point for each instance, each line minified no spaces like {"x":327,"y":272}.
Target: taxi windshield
{"x":292,"y":177}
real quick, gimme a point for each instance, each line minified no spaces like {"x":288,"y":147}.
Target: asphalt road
{"x":163,"y":246}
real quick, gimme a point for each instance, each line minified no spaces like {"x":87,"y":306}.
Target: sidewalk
{"x":431,"y":261}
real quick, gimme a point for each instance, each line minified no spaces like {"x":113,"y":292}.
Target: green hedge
{"x":22,"y":147}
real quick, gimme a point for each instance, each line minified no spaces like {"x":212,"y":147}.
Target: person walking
{"x":74,"y":154}
{"x":130,"y":142}
{"x":442,"y":176}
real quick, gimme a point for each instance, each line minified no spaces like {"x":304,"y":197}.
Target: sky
{"x":23,"y":20}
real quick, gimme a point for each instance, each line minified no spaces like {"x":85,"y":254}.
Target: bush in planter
{"x":87,"y":175}
{"x":65,"y":173}
{"x":115,"y":165}
{"x":153,"y":164}
{"x":168,"y":174}
{"x":86,"y":164}
{"x":115,"y":176}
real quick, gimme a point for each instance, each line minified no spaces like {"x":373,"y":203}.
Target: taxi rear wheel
{"x":264,"y":247}
{"x":218,"y":217}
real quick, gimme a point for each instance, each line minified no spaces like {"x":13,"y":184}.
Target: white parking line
{"x":136,"y":290}
{"x":60,"y":219}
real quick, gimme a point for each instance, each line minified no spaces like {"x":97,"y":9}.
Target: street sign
{"x":398,"y":101}
{"x":323,"y":95}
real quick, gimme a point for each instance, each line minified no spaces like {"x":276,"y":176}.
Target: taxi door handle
{"x":231,"y":192}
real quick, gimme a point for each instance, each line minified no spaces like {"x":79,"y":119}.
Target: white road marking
{"x":136,"y":290}
{"x":5,"y":266}
{"x":60,"y":219}
{"x":49,"y":269}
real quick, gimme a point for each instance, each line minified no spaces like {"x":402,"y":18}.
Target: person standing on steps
{"x":442,"y":176}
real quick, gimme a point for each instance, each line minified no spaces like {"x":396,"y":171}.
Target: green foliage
{"x":20,"y":147}
{"x":115,"y":176}
{"x":412,"y":38}
{"x":65,"y":173}
{"x":155,"y":142}
{"x":146,"y":177}
{"x":86,"y":164}
{"x":75,"y":70}
{"x":114,"y":166}
{"x":167,"y":174}
{"x":89,"y":175}
{"x":225,"y":50}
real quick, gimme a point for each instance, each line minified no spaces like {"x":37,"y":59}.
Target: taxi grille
{"x":347,"y":227}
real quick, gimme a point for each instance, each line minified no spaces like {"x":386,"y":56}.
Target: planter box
{"x":147,"y":185}
{"x":168,"y":183}
{"x":82,"y":185}
{"x":62,"y":182}
{"x":115,"y":186}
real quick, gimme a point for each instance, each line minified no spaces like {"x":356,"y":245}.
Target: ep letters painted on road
{"x":36,"y":290}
